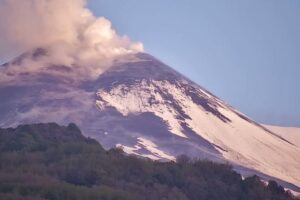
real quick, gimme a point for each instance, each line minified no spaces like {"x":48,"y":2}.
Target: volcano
{"x":145,"y":107}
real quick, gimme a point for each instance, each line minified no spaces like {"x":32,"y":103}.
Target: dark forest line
{"x":48,"y":161}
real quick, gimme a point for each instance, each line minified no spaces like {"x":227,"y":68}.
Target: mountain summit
{"x":148,"y":109}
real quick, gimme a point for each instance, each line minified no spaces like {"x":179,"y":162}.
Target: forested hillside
{"x":48,"y":161}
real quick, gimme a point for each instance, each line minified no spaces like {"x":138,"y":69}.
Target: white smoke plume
{"x":69,"y":31}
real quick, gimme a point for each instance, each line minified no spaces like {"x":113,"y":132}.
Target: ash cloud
{"x":69,"y":31}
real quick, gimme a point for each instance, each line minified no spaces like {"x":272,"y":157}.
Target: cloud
{"x":64,"y":46}
{"x":69,"y":31}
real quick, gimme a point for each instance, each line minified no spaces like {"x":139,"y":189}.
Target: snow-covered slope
{"x":289,"y":133}
{"x":189,"y":110}
{"x":148,"y":109}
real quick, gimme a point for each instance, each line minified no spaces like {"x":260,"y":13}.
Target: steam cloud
{"x":70,"y":32}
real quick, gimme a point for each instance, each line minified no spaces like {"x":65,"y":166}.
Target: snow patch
{"x":239,"y":141}
{"x":291,"y":134}
{"x":142,"y":143}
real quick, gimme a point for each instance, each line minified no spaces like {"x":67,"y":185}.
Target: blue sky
{"x":246,"y":52}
